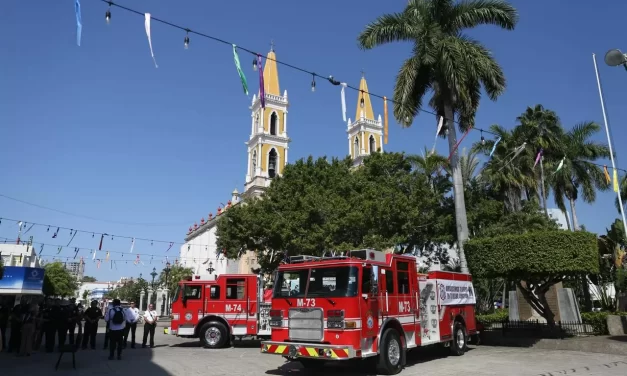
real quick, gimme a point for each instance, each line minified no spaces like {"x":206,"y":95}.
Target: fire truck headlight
{"x":176,"y":316}
{"x":335,"y":324}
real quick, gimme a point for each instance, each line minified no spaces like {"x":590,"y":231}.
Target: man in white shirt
{"x":131,"y":324}
{"x":116,"y":317}
{"x":150,"y":323}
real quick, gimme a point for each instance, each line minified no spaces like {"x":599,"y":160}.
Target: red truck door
{"x":369,"y":302}
{"x":235,"y":309}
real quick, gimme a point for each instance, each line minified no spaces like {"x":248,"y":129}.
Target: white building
{"x":19,"y":255}
{"x":75,"y":268}
{"x":267,"y":149}
{"x":562,"y":219}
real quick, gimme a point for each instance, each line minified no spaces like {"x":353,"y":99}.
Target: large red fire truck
{"x":216,"y":311}
{"x":367,"y":304}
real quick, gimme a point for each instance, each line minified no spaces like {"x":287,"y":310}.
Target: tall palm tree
{"x":450,"y":64}
{"x":577,"y":173}
{"x":431,"y":165}
{"x":541,"y":129}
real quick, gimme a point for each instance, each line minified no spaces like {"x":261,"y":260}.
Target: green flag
{"x":242,"y":77}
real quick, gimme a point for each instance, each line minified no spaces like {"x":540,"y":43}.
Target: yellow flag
{"x":607,"y":175}
{"x":615,"y":181}
{"x":385,"y":120}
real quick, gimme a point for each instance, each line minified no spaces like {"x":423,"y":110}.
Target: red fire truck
{"x":217,"y":311}
{"x":367,"y":304}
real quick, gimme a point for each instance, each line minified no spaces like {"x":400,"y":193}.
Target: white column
{"x":141,"y":300}
{"x":284,"y":123}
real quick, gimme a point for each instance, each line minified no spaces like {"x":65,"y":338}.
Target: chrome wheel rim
{"x":212,"y":336}
{"x":394,"y":352}
{"x":461,"y":342}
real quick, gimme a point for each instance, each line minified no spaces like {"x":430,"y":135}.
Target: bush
{"x":498,"y":316}
{"x":598,"y":320}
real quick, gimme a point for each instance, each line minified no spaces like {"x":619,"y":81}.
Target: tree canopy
{"x":88,"y":279}
{"x":176,"y":274}
{"x":58,"y":281}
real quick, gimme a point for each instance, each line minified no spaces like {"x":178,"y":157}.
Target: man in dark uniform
{"x":92,"y":315}
{"x":63,"y":322}
{"x":51,"y":315}
{"x":74,"y":319}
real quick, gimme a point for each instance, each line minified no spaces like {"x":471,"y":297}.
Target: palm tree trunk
{"x":546,"y":211}
{"x":461,"y":219}
{"x":574,"y":213}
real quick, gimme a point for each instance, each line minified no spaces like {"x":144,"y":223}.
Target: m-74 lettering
{"x":233,"y":308}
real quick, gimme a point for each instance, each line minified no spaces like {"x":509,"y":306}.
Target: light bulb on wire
{"x":186,"y":41}
{"x":108,"y":16}
{"x":482,"y":139}
{"x":313,"y":83}
{"x":255,"y":65}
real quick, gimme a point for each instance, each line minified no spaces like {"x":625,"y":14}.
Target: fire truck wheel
{"x":214,"y":335}
{"x":459,"y":342}
{"x":391,"y":353}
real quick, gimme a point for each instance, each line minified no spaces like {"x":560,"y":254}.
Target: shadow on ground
{"x":618,"y":338}
{"x":244,"y":344}
{"x":360,"y":367}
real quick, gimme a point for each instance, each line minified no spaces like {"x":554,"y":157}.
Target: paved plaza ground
{"x":178,"y":357}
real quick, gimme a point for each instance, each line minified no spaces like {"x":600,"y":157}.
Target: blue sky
{"x":98,"y":131}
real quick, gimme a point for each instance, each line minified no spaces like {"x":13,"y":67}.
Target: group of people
{"x":58,"y":320}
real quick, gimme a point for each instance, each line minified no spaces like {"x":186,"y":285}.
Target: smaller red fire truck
{"x":367,"y":304}
{"x":217,"y":311}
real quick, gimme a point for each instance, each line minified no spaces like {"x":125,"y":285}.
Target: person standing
{"x":5,"y":313}
{"x":16,"y":328}
{"x":106,"y":340}
{"x":117,"y":318}
{"x":63,"y":322}
{"x":150,"y":324}
{"x":50,"y":323}
{"x":28,"y":330}
{"x":131,"y":325}
{"x":92,"y":315}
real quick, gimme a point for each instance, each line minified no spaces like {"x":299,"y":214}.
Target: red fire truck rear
{"x":217,"y":311}
{"x":367,"y":304}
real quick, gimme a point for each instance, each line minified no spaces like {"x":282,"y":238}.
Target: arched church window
{"x":273,"y":123}
{"x":373,"y":145}
{"x":254,"y":162}
{"x":272,"y":163}
{"x":356,"y":147}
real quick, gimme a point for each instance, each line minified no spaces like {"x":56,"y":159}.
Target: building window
{"x":273,"y":123}
{"x":373,"y":145}
{"x":254,"y":162}
{"x":192,"y":292}
{"x":356,"y":147}
{"x":272,"y":163}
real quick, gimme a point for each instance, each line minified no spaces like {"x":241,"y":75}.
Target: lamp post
{"x":210,"y":269}
{"x":167,"y":290}
{"x":616,"y":57}
{"x":153,"y":274}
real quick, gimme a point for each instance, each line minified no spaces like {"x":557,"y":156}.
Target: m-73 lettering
{"x":308,"y":302}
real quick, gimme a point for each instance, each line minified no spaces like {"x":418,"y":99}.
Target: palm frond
{"x":469,"y":14}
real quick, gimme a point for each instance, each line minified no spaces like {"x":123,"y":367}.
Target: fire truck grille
{"x":306,"y":324}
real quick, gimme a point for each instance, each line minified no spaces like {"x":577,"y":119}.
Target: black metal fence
{"x":537,"y":329}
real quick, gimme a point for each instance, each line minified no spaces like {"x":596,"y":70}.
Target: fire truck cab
{"x":217,"y":311}
{"x":366,"y":304}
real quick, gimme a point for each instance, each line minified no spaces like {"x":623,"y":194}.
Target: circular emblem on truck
{"x":370,"y":322}
{"x":188,"y":316}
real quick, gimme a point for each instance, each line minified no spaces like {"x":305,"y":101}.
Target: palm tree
{"x":577,"y":173}
{"x":447,"y":62}
{"x":542,"y":130}
{"x":431,"y":165}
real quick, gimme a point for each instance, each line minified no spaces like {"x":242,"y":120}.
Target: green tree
{"x":447,"y":62}
{"x":88,"y":279}
{"x":58,"y":281}
{"x":579,"y":173}
{"x":623,"y":193}
{"x":612,"y":262}
{"x":86,"y":294}
{"x":535,"y":261}
{"x":176,"y":274}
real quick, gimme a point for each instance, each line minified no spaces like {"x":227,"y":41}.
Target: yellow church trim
{"x":367,"y":104}
{"x":271,"y":75}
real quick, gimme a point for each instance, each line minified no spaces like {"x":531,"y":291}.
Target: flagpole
{"x":609,"y":141}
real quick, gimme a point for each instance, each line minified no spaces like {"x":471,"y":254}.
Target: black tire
{"x":214,"y":335}
{"x":459,"y":343}
{"x":311,"y":363}
{"x":391,"y":353}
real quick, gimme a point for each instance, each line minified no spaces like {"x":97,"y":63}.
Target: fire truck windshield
{"x":177,"y":293}
{"x":317,"y":282}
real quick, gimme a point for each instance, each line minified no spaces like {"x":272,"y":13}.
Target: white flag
{"x":147,"y":24}
{"x":343,"y":95}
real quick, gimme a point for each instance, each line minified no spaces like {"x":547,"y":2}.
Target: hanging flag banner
{"x":76,"y":252}
{"x":615,"y":175}
{"x":59,"y":250}
{"x":385,"y":120}
{"x":262,"y":88}
{"x":559,"y":167}
{"x":538,"y":157}
{"x":171,"y":244}
{"x":79,"y":22}
{"x":132,"y":245}
{"x":98,"y":264}
{"x":606,"y":173}
{"x":147,"y":25}
{"x":101,"y":240}
{"x":437,"y":133}
{"x":94,"y":255}
{"x":41,"y":249}
{"x":494,"y":146}
{"x":56,"y":233}
{"x":343,"y":98}
{"x":136,"y":260}
{"x":242,"y":76}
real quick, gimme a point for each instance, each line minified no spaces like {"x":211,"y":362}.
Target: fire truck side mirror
{"x":374,"y":286}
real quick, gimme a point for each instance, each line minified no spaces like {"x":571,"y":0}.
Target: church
{"x":267,"y":148}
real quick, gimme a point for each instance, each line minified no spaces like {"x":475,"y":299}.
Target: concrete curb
{"x":616,"y":345}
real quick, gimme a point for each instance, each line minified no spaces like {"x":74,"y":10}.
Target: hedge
{"x":598,"y":320}
{"x":533,"y":254}
{"x":498,"y":316}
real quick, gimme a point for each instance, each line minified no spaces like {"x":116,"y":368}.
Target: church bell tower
{"x":365,"y":134}
{"x":268,"y":142}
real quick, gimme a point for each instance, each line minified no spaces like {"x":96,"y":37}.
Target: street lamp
{"x":616,"y":57}
{"x":210,"y":269}
{"x":167,"y":273}
{"x":153,"y":274}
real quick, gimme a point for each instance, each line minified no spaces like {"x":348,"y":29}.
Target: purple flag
{"x":538,"y":157}
{"x":262,"y":90}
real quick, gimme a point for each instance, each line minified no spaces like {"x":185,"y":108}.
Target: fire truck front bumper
{"x":308,"y":350}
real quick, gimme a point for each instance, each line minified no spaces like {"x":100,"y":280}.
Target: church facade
{"x":267,"y":151}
